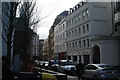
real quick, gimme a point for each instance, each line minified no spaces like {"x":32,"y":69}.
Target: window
{"x":73,"y":45}
{"x":79,"y":31}
{"x":79,"y":57}
{"x":88,"y":43}
{"x":79,"y":44}
{"x":84,"y":43}
{"x":83,"y":15}
{"x":63,"y":26}
{"x":87,"y":27}
{"x":67,"y":35}
{"x":67,"y":24}
{"x":87,"y":12}
{"x":75,"y":31}
{"x":75,"y":58}
{"x":63,"y":36}
{"x":67,"y":46}
{"x":91,"y":67}
{"x":118,"y":6}
{"x":83,"y":29}
{"x":72,"y":20}
{"x":70,"y":46}
{"x":76,"y":45}
{"x":75,"y":19}
{"x":79,"y":16}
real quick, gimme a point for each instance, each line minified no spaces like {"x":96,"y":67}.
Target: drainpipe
{"x":113,"y":17}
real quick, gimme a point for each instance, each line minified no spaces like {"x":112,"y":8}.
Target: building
{"x":35,"y":47}
{"x":45,"y":49}
{"x":117,"y":25}
{"x":41,"y":41}
{"x":60,"y":40}
{"x":51,"y":42}
{"x":89,"y":27}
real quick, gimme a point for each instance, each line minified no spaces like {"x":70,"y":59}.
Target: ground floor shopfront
{"x":101,"y":51}
{"x":76,"y":56}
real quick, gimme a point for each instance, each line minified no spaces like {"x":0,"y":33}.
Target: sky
{"x":50,"y":9}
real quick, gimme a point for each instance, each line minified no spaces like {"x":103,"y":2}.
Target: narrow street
{"x":60,"y":40}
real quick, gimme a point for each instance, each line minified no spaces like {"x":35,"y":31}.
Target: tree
{"x":9,"y":14}
{"x":10,"y":11}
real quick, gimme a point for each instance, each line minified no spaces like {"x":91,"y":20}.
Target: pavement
{"x":71,"y":77}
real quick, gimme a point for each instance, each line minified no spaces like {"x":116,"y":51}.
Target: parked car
{"x":100,"y":71}
{"x":42,"y":64}
{"x":46,"y":64}
{"x":67,"y":67}
{"x":54,"y":65}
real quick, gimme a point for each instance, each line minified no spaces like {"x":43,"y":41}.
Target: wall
{"x":101,"y":19}
{"x":108,"y":51}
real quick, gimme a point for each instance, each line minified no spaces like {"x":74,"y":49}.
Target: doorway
{"x":96,"y":54}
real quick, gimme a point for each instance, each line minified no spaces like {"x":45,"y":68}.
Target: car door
{"x":87,"y":72}
{"x":93,"y":71}
{"x":90,"y":71}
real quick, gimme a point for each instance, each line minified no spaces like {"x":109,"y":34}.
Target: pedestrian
{"x":80,"y":70}
{"x":6,"y":71}
{"x":50,"y":65}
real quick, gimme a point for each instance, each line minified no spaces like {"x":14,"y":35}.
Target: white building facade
{"x":89,"y":26}
{"x":117,"y":25}
{"x":60,"y":39}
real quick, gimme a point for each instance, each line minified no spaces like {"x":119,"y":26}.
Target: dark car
{"x":54,"y":65}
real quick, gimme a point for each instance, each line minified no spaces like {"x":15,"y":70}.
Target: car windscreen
{"x":55,"y":62}
{"x":67,"y":63}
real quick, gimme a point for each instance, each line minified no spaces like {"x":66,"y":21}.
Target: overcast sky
{"x":51,"y":8}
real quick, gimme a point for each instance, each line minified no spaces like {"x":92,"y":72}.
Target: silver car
{"x":100,"y":71}
{"x":67,"y":67}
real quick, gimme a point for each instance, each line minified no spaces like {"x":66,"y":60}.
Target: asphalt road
{"x":75,"y":77}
